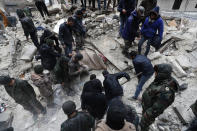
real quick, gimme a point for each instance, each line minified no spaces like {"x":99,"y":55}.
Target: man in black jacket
{"x":65,"y":36}
{"x":42,"y":8}
{"x":50,"y":35}
{"x":112,"y":87}
{"x":48,"y":56}
{"x":92,"y":98}
{"x":142,"y":65}
{"x":29,"y":28}
{"x":77,"y":121}
{"x":23,"y":93}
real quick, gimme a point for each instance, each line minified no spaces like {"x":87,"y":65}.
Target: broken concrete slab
{"x":6,"y":119}
{"x":100,"y":18}
{"x":54,"y":11}
{"x":172,"y":23}
{"x":154,"y":56}
{"x":28,"y":53}
{"x":26,"y":67}
{"x":56,"y":28}
{"x":177,"y":69}
{"x":183,"y":61}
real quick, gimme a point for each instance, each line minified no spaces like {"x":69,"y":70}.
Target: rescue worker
{"x":115,"y":120}
{"x":66,"y":37}
{"x":158,"y":96}
{"x":75,"y":68}
{"x":194,"y":108}
{"x":92,"y":98}
{"x":23,"y":93}
{"x":77,"y":121}
{"x":50,"y":35}
{"x":29,"y":28}
{"x":148,"y":5}
{"x":112,"y":87}
{"x":61,"y":70}
{"x":44,"y":84}
{"x":152,"y":24}
{"x":144,"y":66}
{"x":131,"y":28}
{"x":4,"y":19}
{"x":42,"y":8}
{"x":125,"y":7}
{"x":79,"y":30}
{"x":48,"y":55}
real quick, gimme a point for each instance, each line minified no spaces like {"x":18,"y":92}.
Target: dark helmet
{"x":5,"y":80}
{"x":38,"y":69}
{"x":69,"y":107}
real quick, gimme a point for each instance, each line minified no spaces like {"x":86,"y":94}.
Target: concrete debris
{"x":183,"y":61}
{"x":155,"y":55}
{"x":100,"y":18}
{"x":26,"y":67}
{"x":172,"y":23}
{"x":177,"y":69}
{"x":6,"y":119}
{"x":28,"y":53}
{"x":54,"y":11}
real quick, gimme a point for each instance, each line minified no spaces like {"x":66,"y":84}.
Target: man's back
{"x":80,"y":122}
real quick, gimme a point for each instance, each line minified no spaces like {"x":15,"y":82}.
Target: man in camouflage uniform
{"x":158,"y":96}
{"x":194,"y":108}
{"x":23,"y":93}
{"x":44,"y":84}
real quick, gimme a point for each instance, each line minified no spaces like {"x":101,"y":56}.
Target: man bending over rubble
{"x":152,"y":24}
{"x":23,"y":93}
{"x":112,"y":87}
{"x":158,"y":96}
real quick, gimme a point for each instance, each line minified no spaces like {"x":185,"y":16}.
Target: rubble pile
{"x":179,"y":49}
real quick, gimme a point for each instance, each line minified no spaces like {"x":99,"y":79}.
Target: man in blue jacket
{"x":66,"y":37}
{"x":125,"y":8}
{"x":143,"y":69}
{"x":152,"y":24}
{"x":131,"y":28}
{"x":79,"y":29}
{"x":112,"y":87}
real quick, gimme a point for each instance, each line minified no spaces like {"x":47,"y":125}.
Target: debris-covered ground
{"x":180,"y":50}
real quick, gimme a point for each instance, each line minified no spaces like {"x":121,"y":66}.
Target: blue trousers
{"x":123,"y":20}
{"x":141,"y":83}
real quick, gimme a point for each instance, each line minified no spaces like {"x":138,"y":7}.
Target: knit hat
{"x":78,"y":57}
{"x":105,"y":72}
{"x":38,"y":69}
{"x":5,"y":80}
{"x":69,"y":107}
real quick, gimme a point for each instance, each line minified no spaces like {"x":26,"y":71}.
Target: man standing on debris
{"x":50,"y":35}
{"x":112,"y":87}
{"x":44,"y":84}
{"x":29,"y":28}
{"x":23,"y":93}
{"x":152,"y":24}
{"x":158,"y":96}
{"x":77,"y":121}
{"x":42,"y":8}
{"x":148,"y":5}
{"x":79,"y":29}
{"x":125,"y":7}
{"x":131,"y":28}
{"x":142,"y":65}
{"x":65,"y":36}
{"x":48,"y":55}
{"x":92,"y":98}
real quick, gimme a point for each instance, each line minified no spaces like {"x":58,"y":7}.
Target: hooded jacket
{"x":80,"y":122}
{"x":149,"y":29}
{"x":65,"y":34}
{"x":142,"y":64}
{"x":112,"y":86}
{"x":128,"y":5}
{"x":148,"y":5}
{"x":103,"y":127}
{"x":48,"y":56}
{"x":161,"y":92}
{"x":92,"y":86}
{"x":48,"y":35}
{"x":131,"y":27}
